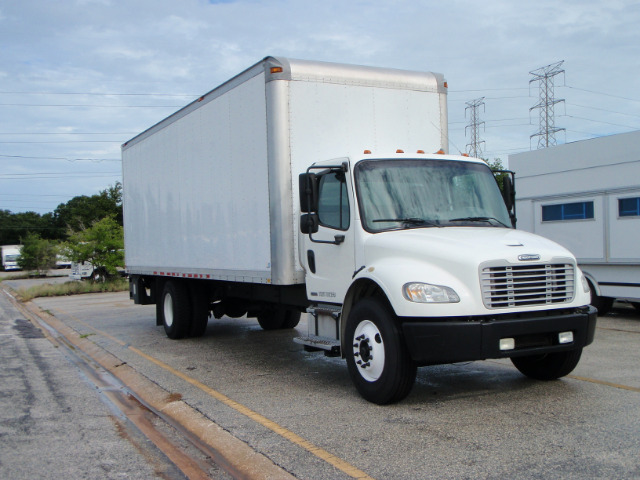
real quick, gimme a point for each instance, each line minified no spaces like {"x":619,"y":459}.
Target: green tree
{"x":497,"y":169}
{"x":83,"y":211}
{"x":102,"y":245}
{"x":76,"y":214}
{"x":37,"y":254}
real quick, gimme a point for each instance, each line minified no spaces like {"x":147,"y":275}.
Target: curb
{"x":230,"y":453}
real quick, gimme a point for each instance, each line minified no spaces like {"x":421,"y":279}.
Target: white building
{"x":586,"y":196}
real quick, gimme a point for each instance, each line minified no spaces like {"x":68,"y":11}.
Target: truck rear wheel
{"x":199,"y":311}
{"x":377,"y":358}
{"x":278,"y":318}
{"x":175,"y":308}
{"x":549,"y":366}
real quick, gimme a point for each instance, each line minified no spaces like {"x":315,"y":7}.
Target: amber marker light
{"x":276,"y":69}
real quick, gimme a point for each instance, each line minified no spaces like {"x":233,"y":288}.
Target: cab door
{"x":328,"y":254}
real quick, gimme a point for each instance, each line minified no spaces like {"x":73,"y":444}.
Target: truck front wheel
{"x":175,"y":308}
{"x":377,"y":358}
{"x":602,"y":304}
{"x":548,"y":366}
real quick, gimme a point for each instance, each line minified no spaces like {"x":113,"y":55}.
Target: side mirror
{"x":509,"y":195}
{"x":309,"y":223}
{"x":308,"y":190}
{"x":508,"y":192}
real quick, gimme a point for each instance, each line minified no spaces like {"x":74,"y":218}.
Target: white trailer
{"x":287,"y":189}
{"x":586,"y":196}
{"x":10,"y":257}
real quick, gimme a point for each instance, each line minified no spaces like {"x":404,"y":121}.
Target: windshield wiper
{"x":411,"y":221}
{"x":478,"y":219}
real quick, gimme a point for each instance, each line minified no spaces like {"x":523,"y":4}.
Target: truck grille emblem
{"x":528,"y":257}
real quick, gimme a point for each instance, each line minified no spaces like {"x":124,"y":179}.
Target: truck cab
{"x":413,"y":259}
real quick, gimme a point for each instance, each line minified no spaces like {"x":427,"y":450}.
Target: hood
{"x":464,"y":245}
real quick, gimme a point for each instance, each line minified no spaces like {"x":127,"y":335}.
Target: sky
{"x":80,"y":77}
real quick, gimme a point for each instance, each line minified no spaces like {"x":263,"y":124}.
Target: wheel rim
{"x":368,"y":350}
{"x":168,"y":310}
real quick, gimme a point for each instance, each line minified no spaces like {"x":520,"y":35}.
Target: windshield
{"x":397,"y":194}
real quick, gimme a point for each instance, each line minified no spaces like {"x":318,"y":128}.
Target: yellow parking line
{"x":607,"y":384}
{"x":328,"y":457}
{"x":331,"y":459}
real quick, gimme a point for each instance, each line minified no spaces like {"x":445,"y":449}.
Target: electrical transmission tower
{"x":474,"y":148}
{"x":547,"y":130}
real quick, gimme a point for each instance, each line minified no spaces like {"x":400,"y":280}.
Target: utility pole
{"x":546,"y":102}
{"x":474,"y":148}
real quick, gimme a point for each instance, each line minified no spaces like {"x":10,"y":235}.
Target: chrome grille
{"x":527,"y":285}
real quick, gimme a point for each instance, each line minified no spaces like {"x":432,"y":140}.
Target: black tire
{"x":636,"y":305}
{"x":99,"y":275}
{"x":199,"y":311}
{"x":602,"y":304}
{"x":175,"y":309}
{"x":550,"y":366}
{"x":377,"y":357}
{"x":278,"y":318}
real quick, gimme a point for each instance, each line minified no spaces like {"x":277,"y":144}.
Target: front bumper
{"x":478,"y":338}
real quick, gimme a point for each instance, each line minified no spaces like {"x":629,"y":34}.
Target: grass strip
{"x":72,"y":288}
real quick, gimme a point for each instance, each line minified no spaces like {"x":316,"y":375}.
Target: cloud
{"x":484,"y":49}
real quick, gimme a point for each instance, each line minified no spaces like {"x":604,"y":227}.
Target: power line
{"x":47,"y":176}
{"x":601,"y":93}
{"x":603,"y":110}
{"x":36,"y":142}
{"x":599,"y":121}
{"x":103,"y":94}
{"x":30,"y":195}
{"x":69,"y":133}
{"x":86,"y":105}
{"x":95,"y":160}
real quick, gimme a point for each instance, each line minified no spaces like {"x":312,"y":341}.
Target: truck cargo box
{"x":209,"y":191}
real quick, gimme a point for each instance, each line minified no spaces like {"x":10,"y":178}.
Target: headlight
{"x":426,"y":293}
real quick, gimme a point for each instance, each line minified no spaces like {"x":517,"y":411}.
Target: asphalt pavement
{"x":299,"y":410}
{"x":57,"y":421}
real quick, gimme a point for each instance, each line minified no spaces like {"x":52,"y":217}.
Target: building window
{"x":567,"y":211}
{"x":629,"y":207}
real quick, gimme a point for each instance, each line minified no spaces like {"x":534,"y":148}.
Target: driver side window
{"x":333,"y":201}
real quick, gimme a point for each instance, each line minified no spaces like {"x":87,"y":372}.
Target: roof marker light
{"x":399,"y":151}
{"x":367,"y":152}
{"x":440,"y":152}
{"x":276,"y":70}
{"x":420,"y":151}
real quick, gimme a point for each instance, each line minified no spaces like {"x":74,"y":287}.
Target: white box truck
{"x":302,"y":186}
{"x":10,"y":256}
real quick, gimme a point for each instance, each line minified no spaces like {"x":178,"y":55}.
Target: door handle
{"x":311,"y":261}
